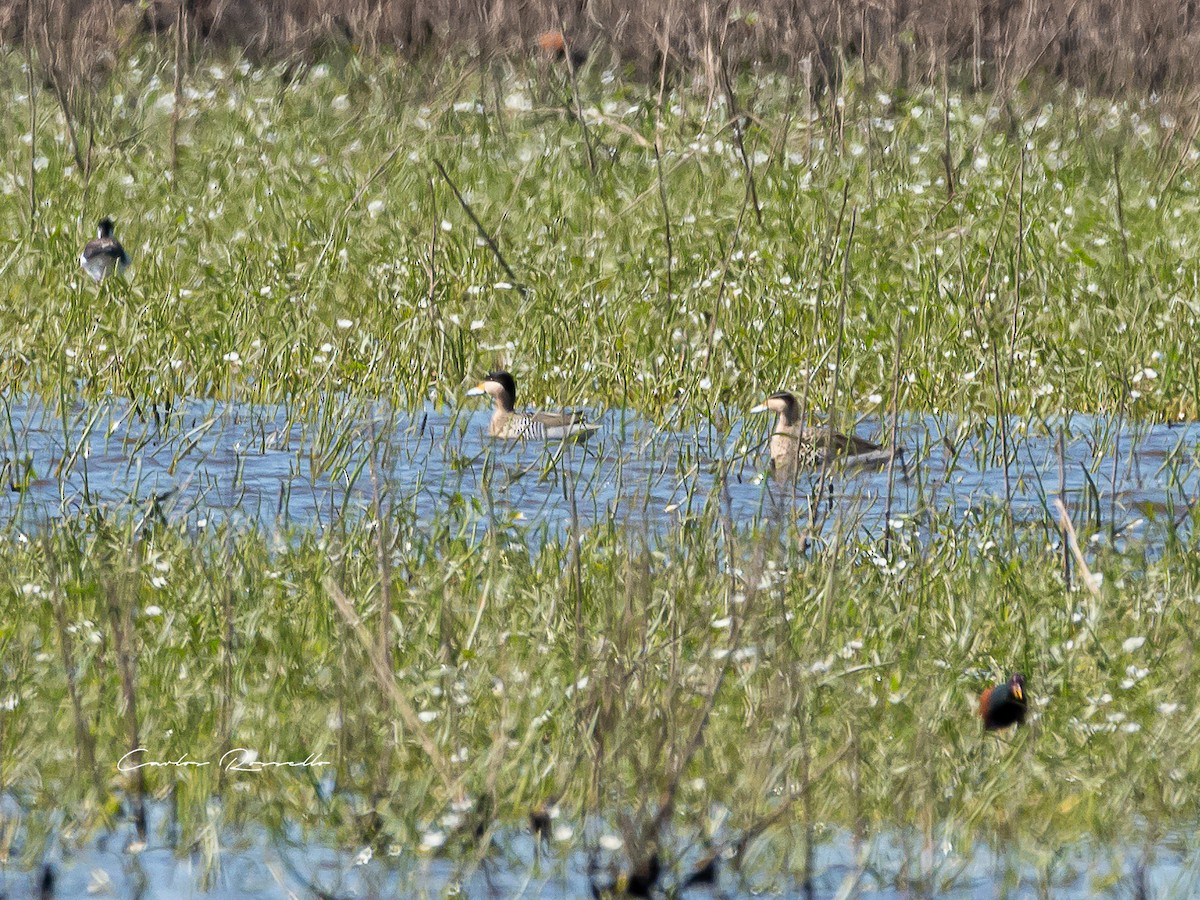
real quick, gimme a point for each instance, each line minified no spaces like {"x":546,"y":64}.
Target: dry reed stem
{"x":483,"y":232}
{"x":1064,"y":519}
{"x":1127,"y":45}
{"x":387,"y":684}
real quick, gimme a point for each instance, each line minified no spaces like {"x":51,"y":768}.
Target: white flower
{"x":232,"y":357}
{"x":341,"y":102}
{"x":345,"y":323}
{"x":1132,"y":644}
{"x":327,"y":348}
{"x":153,"y":611}
{"x":364,"y":856}
{"x":427,"y":715}
{"x":431,"y":840}
{"x":563,"y":833}
{"x":611,"y":842}
{"x":375,"y":207}
{"x":1167,"y":709}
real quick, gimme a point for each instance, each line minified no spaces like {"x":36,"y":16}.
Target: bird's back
{"x":541,"y":426}
{"x":102,"y":255}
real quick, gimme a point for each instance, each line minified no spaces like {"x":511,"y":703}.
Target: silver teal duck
{"x":510,"y":425}
{"x":794,"y":446}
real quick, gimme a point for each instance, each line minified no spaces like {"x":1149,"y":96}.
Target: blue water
{"x":214,"y":462}
{"x":251,"y":862}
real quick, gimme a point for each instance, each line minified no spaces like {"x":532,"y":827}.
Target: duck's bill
{"x":761,"y":408}
{"x":476,"y":391}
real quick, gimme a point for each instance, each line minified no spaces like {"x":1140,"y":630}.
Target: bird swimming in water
{"x":794,"y":446}
{"x":511,"y":425}
{"x":104,"y":254}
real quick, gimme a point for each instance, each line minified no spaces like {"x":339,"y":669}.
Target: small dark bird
{"x":1003,"y":705}
{"x":104,"y":254}
{"x":539,"y":820}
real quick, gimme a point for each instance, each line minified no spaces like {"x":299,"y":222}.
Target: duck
{"x":1003,"y":705}
{"x":104,"y":254}
{"x":794,"y":446}
{"x":510,"y":425}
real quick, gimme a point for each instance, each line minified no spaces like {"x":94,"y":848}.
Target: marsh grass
{"x":686,"y":676}
{"x":289,"y":215}
{"x":297,"y":248}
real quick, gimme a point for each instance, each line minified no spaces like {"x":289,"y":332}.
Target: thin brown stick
{"x":1064,"y":519}
{"x":738,"y":139}
{"x":1121,"y":207}
{"x":483,"y":232}
{"x":383,"y":548}
{"x":179,"y":28}
{"x":666,"y":211}
{"x":696,"y":741}
{"x":84,"y":740}
{"x":578,"y":111}
{"x":831,"y":418}
{"x":387,"y":684}
{"x":891,"y":474}
{"x":1062,"y":493}
{"x":30,"y":90}
{"x":121,"y":619}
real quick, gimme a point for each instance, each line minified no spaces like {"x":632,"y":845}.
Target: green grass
{"x":311,"y":213}
{"x":838,"y":664}
{"x":290,"y":212}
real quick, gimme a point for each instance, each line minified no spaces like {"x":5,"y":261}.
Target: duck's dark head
{"x":105,"y":227}
{"x":782,"y":402}
{"x":499,"y":385}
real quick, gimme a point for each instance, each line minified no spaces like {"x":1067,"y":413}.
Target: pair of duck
{"x":793,"y":445}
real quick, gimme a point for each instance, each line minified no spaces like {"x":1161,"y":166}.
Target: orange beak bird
{"x":1002,"y":705}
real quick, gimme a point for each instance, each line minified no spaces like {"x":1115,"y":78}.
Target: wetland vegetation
{"x":534,"y":698}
